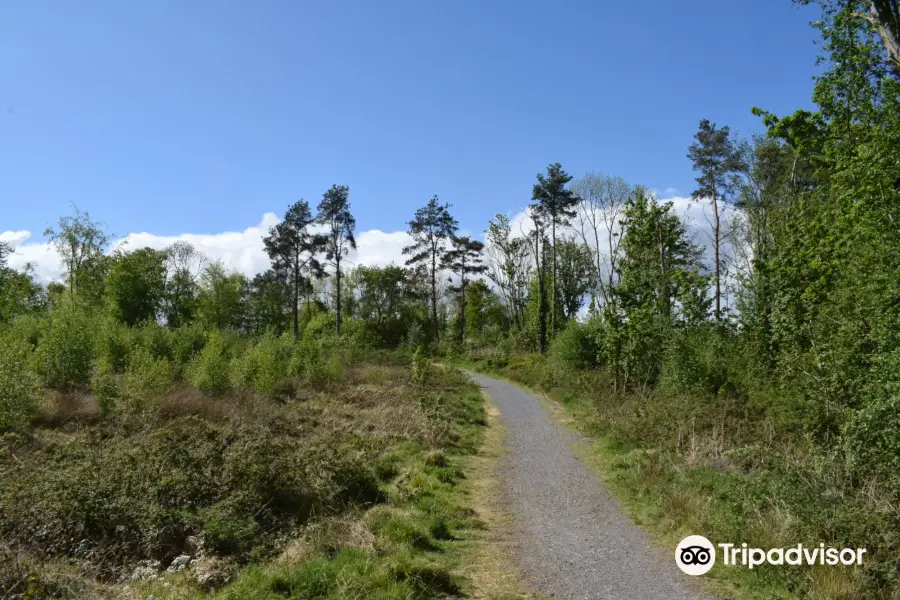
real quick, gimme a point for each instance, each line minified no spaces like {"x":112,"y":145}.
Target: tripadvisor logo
{"x":696,"y":555}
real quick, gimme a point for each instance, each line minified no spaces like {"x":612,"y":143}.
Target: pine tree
{"x":464,"y":258}
{"x":293,"y":249}
{"x":431,"y":228}
{"x":334,"y":212}
{"x":715,"y":157}
{"x":556,"y":205}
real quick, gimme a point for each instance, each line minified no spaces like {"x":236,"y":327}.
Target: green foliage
{"x":135,"y":285}
{"x":262,"y":365}
{"x":157,"y":339}
{"x":210,"y":370}
{"x":26,"y":328}
{"x":420,"y":366}
{"x":221,"y":298}
{"x":146,"y":377}
{"x":66,"y":348}
{"x":19,"y":385}
{"x":872,"y":440}
{"x":431,"y":228}
{"x":105,"y":386}
{"x":20,"y":294}
{"x":314,"y":363}
{"x":114,"y":341}
{"x":187,"y":342}
{"x":702,"y":360}
{"x":578,"y":345}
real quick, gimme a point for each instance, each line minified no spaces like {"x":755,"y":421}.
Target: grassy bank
{"x":688,"y":465}
{"x":352,"y":487}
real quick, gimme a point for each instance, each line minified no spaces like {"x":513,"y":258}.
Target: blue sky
{"x":201,"y":115}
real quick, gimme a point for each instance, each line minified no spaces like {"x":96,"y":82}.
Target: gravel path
{"x":573,"y":540}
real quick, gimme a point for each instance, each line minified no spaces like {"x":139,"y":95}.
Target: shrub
{"x":872,"y":440}
{"x":419,"y":366}
{"x":146,"y":377}
{"x":19,"y":385}
{"x":105,"y":387}
{"x":700,"y":360}
{"x":311,"y":362}
{"x":321,"y":325}
{"x":157,"y":339}
{"x":64,"y":353}
{"x":577,"y":346}
{"x":209,"y":371}
{"x":187,"y":342}
{"x":113,"y":342}
{"x":262,"y":366}
{"x":26,"y":328}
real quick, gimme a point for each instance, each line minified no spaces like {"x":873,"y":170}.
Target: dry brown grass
{"x":183,"y":400}
{"x":61,"y":408}
{"x":833,"y":583}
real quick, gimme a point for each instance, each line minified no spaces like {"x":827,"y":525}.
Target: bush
{"x":26,"y":328}
{"x":187,"y":342}
{"x":420,"y":366}
{"x":64,"y":353}
{"x":157,"y":339}
{"x":577,"y":346}
{"x":209,"y":371}
{"x":872,"y":441}
{"x":113,"y":343}
{"x":146,"y":377}
{"x":105,"y":386}
{"x":321,"y":325}
{"x":19,"y":386}
{"x":262,"y":365}
{"x":701,"y":360}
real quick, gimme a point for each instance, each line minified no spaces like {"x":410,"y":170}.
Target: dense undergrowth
{"x":182,"y":463}
{"x":704,"y":454}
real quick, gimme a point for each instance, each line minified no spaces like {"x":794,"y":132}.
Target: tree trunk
{"x":542,"y":306}
{"x":553,"y":282}
{"x":462,"y":311}
{"x":715,"y":205}
{"x":295,"y":308}
{"x":434,"y":318}
{"x":337,"y":281}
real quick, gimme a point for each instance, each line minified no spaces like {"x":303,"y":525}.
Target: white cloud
{"x":241,"y":251}
{"x":670,"y":191}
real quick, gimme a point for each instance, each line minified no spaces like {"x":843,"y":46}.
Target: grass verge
{"x":702,"y":487}
{"x":365,"y":490}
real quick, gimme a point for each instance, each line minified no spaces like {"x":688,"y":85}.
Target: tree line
{"x":801,"y":277}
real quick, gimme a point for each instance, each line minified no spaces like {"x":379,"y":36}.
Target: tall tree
{"x":136,"y":284}
{"x":509,"y":266}
{"x":464,"y":259}
{"x":293,"y":249}
{"x":602,"y":199}
{"x":334,"y":213}
{"x":184,"y":264}
{"x":576,"y":275}
{"x":222,"y":298}
{"x":538,"y":297}
{"x":19,"y":293}
{"x":557,"y":205}
{"x":659,"y":275}
{"x":431,"y":228}
{"x":80,"y":241}
{"x":268,"y":299}
{"x":385,"y":300}
{"x":882,"y":15}
{"x":715,"y":157}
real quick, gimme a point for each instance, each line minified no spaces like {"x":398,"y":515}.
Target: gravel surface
{"x":573,"y":539}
